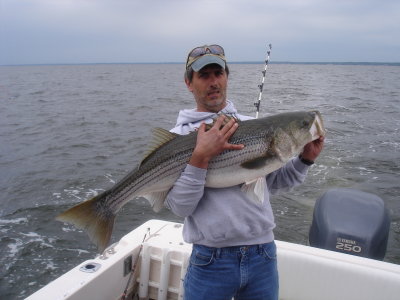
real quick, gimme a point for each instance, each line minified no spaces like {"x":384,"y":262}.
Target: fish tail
{"x":94,"y":218}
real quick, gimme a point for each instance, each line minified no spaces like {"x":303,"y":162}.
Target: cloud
{"x":69,"y":31}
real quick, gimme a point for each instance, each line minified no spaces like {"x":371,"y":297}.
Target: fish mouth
{"x":317,"y":128}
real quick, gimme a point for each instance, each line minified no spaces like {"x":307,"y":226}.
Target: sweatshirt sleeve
{"x":187,"y":191}
{"x":290,"y":175}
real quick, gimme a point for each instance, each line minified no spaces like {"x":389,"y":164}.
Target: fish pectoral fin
{"x":256,"y":163}
{"x":156,"y":199}
{"x":255,"y":189}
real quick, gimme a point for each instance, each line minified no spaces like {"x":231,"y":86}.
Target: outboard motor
{"x":351,"y":221}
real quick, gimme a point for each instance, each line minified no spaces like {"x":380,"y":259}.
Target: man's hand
{"x":212,"y":142}
{"x":313,"y":149}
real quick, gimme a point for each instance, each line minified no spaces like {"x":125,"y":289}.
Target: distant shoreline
{"x":238,"y":62}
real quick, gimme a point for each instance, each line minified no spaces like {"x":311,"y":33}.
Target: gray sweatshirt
{"x":223,"y":217}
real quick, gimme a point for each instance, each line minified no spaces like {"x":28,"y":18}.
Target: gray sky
{"x":106,"y":31}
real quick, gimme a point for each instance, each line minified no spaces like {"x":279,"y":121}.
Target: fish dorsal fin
{"x":160,"y":137}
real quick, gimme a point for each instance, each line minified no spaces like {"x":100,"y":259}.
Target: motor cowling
{"x":351,"y":221}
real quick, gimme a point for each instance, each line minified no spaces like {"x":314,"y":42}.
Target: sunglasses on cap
{"x":198,"y":52}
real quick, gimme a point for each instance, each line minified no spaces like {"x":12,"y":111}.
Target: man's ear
{"x":188,"y":85}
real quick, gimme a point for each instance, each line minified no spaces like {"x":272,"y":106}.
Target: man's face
{"x":209,"y":88}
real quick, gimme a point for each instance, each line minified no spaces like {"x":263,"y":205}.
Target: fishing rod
{"x":261,"y":86}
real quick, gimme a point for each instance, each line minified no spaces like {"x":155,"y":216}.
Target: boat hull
{"x":305,"y":273}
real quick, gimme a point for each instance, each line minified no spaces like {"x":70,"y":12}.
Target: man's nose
{"x":213,"y":79}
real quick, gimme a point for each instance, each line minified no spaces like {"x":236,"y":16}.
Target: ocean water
{"x":70,"y":132}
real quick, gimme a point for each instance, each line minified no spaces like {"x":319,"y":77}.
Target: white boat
{"x":160,"y":259}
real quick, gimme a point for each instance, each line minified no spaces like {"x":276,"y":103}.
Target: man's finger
{"x":202,"y":127}
{"x":231,"y":129}
{"x":219,"y":122}
{"x":235,"y":147}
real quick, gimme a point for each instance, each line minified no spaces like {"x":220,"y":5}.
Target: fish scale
{"x":269,"y":143}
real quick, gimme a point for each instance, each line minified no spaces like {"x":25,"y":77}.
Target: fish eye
{"x":306,"y":123}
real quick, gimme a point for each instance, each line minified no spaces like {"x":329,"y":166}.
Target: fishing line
{"x":261,"y":86}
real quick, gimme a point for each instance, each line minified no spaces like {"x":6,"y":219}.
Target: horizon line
{"x":232,"y":62}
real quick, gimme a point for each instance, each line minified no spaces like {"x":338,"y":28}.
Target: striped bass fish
{"x":269,"y":142}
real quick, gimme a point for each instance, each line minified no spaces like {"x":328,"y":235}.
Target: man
{"x":234,"y":253}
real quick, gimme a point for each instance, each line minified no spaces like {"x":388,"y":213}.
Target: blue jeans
{"x":242,"y":272}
